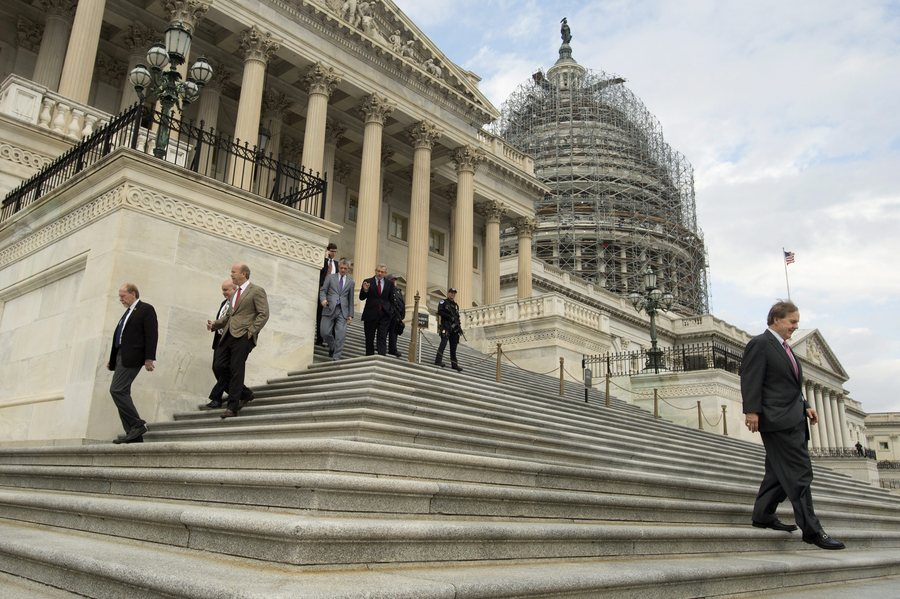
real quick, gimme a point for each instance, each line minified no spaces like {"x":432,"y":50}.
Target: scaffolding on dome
{"x":622,"y":198}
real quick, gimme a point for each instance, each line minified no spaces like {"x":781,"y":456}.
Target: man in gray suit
{"x":336,"y":299}
{"x":771,"y":388}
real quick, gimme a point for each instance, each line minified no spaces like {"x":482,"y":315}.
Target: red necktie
{"x":790,"y":354}
{"x":237,"y":297}
{"x":379,"y":286}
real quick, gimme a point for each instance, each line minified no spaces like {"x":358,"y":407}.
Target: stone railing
{"x":708,"y":324}
{"x":29,"y":102}
{"x":551,"y":304}
{"x":502,"y":150}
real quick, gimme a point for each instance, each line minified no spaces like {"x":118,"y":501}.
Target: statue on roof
{"x":565,"y":31}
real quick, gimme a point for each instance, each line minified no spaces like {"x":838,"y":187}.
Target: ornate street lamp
{"x":653,"y":299}
{"x":158,"y":84}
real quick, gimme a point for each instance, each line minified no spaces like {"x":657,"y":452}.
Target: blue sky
{"x":790,"y":115}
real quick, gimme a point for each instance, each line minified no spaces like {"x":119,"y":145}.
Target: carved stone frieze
{"x":23,"y":157}
{"x":424,"y":134}
{"x":376,"y":108}
{"x":258,"y":45}
{"x":188,"y":12}
{"x":321,"y":79}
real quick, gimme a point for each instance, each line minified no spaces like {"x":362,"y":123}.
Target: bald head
{"x":240,"y":273}
{"x":227,"y":288}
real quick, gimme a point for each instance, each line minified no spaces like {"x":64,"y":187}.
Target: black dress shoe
{"x":456,"y":367}
{"x":330,"y":353}
{"x":823,"y":541}
{"x":776,"y":524}
{"x":132,"y":435}
{"x":441,"y":364}
{"x":245,"y":399}
{"x":212,"y":405}
{"x":228,"y":414}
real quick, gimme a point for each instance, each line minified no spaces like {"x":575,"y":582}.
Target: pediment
{"x":390,"y":32}
{"x":810,"y":345}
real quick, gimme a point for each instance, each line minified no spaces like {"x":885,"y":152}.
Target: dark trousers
{"x":453,"y":339}
{"x":376,"y":332}
{"x":788,"y":476}
{"x":392,"y":336}
{"x":319,"y":337}
{"x":120,"y":389}
{"x":221,"y":379}
{"x":230,"y":365}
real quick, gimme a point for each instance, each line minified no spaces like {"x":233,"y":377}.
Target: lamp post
{"x":653,"y":300}
{"x":165,"y":85}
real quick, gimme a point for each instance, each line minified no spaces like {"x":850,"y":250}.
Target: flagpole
{"x":786,"y":282}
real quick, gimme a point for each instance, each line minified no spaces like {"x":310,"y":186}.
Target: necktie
{"x":121,"y":327}
{"x":379,"y":286}
{"x":790,"y":354}
{"x":341,"y":284}
{"x":237,"y":297}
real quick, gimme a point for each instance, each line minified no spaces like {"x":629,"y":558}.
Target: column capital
{"x":525,"y":226}
{"x":387,"y":155}
{"x":275,"y":103}
{"x":450,"y":195}
{"x":334,"y":131}
{"x":466,"y":158}
{"x":258,"y":45}
{"x":57,"y":8}
{"x":138,"y":37}
{"x":108,"y":69}
{"x":492,"y":210}
{"x":424,"y":134}
{"x":321,"y":79}
{"x":342,"y":171}
{"x":292,"y":147}
{"x":376,"y":108}
{"x":187,"y":12}
{"x":221,"y":76}
{"x":28,"y":34}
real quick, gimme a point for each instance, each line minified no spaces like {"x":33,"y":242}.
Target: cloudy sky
{"x":789,"y":112}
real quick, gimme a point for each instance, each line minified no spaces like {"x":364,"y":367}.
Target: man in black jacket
{"x":215,"y":395}
{"x":133,"y":347}
{"x":329,"y":267}
{"x":771,"y":388}
{"x":450,"y":328}
{"x":376,"y":316}
{"x":398,"y":313}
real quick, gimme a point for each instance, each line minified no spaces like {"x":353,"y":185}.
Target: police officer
{"x":450,"y":329}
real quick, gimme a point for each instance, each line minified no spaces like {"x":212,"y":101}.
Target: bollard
{"x":562,"y":384}
{"x":724,"y":421}
{"x":655,"y":404}
{"x":499,"y":354}
{"x":414,"y":332}
{"x":699,"y":416}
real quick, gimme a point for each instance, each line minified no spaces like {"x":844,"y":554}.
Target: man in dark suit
{"x":215,"y":395}
{"x":376,"y":316}
{"x":247,"y":314}
{"x":771,"y":388}
{"x":336,"y":299}
{"x":329,"y":267}
{"x":133,"y":347}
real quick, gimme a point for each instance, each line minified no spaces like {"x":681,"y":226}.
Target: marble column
{"x":208,"y":114}
{"x":525,"y":230}
{"x":423,"y":135}
{"x":52,"y":53}
{"x":466,"y":159}
{"x":334,"y":132}
{"x":375,"y":110}
{"x":823,"y":415}
{"x":275,"y":104}
{"x":81,"y":52}
{"x":137,"y":38}
{"x":842,"y":420}
{"x":813,"y":428}
{"x":823,"y":396}
{"x":320,"y":81}
{"x":492,"y":212}
{"x":257,"y":48}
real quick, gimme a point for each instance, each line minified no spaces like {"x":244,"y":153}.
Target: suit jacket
{"x":323,"y":272}
{"x":250,"y":315}
{"x":769,"y":386}
{"x":330,"y":291}
{"x":139,"y":338}
{"x":377,"y":306}
{"x":217,"y":334}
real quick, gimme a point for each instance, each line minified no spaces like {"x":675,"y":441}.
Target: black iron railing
{"x":202,"y":151}
{"x":841,"y":452}
{"x":699,"y":356}
{"x":888,"y":465}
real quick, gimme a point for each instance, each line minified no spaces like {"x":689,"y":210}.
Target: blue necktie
{"x":120,"y":327}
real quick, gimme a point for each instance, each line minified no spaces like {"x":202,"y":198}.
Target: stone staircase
{"x":373,"y":477}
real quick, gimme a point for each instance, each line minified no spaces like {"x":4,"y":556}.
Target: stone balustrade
{"x":505,"y":152}
{"x":25,"y":100}
{"x":552,"y":304}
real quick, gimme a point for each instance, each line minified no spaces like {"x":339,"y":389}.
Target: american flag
{"x":788,"y":257}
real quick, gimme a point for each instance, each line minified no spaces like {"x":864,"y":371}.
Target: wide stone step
{"x":104,"y":567}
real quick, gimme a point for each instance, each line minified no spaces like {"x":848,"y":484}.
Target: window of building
{"x":399,"y":227}
{"x":883,"y":445}
{"x":475,"y":257}
{"x":437,"y":242}
{"x":352,"y":205}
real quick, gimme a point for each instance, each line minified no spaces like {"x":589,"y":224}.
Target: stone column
{"x":320,"y":81}
{"x":375,"y":109}
{"x":823,"y":396}
{"x":823,"y":415}
{"x":423,"y":135}
{"x":842,"y":415}
{"x":334,"y":132}
{"x":208,"y":113}
{"x":81,"y":52}
{"x":257,"y":48}
{"x":813,"y":428}
{"x":466,"y":159}
{"x":492,"y":212}
{"x":274,"y":105}
{"x":137,"y":38}
{"x":52,"y":54}
{"x":525,"y":229}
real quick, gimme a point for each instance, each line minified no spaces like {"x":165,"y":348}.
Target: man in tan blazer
{"x":242,"y":322}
